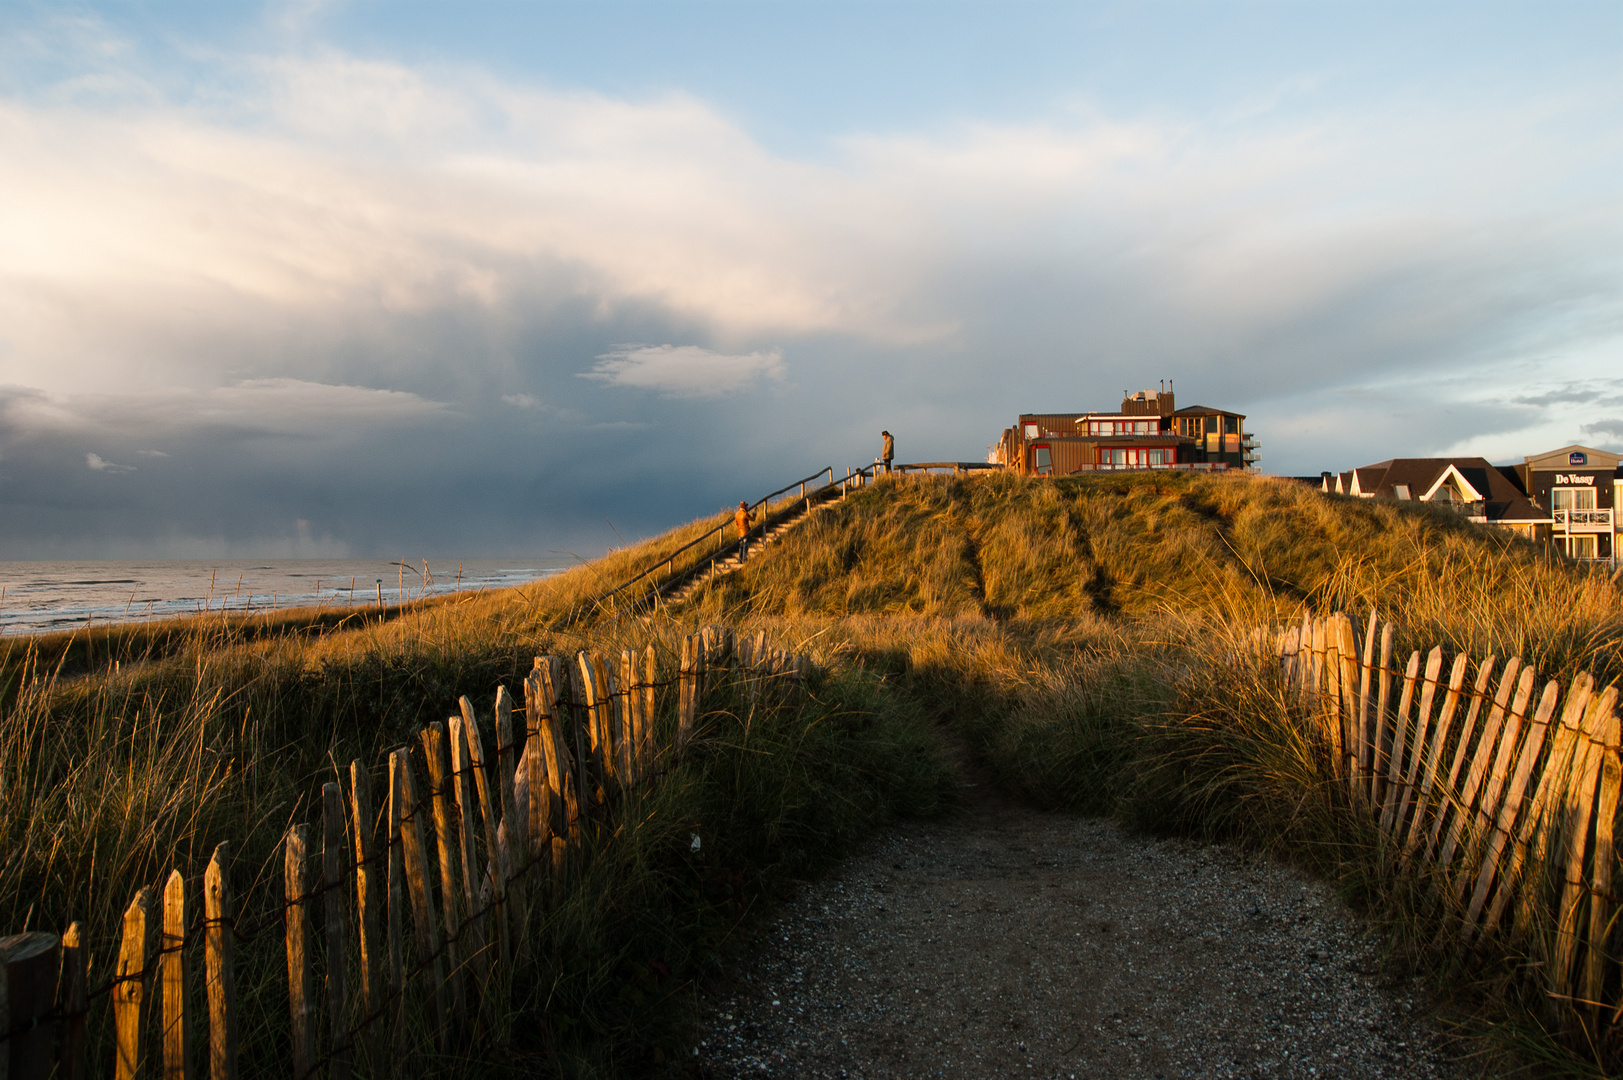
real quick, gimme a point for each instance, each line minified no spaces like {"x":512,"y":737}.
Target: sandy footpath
{"x":1009,"y":942}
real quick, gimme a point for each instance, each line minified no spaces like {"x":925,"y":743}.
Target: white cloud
{"x":686,"y":370}
{"x":290,"y":407}
{"x":522,"y":401}
{"x":95,"y":462}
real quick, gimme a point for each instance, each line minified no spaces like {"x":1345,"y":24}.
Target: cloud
{"x":1613,"y":427}
{"x":316,"y":279}
{"x":96,"y":463}
{"x":686,"y":370}
{"x":279,"y":407}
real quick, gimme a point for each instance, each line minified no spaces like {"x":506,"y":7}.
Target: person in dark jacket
{"x":742,"y":521}
{"x":889,"y":451}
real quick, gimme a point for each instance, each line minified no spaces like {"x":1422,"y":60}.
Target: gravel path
{"x":1009,"y":942}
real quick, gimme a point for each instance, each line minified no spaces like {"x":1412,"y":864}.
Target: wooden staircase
{"x":720,"y":568}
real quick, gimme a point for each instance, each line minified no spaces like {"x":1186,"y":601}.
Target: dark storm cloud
{"x":433,"y":314}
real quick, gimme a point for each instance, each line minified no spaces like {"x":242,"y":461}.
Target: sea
{"x":45,"y":596}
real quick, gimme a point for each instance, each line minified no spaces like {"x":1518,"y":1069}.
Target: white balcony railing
{"x":1599,"y":520}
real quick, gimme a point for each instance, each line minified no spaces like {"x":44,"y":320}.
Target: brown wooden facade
{"x":1148,"y":432}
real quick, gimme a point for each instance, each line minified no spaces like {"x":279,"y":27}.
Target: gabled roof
{"x":1206,"y":410}
{"x":1473,"y":478}
{"x":1561,"y":459}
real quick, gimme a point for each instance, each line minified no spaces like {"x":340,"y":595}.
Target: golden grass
{"x":1065,"y":630}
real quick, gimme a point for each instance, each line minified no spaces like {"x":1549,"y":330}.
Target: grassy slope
{"x":1084,"y":635}
{"x":1057,"y":624}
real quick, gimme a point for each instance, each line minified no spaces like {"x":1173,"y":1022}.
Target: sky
{"x":327,"y":279}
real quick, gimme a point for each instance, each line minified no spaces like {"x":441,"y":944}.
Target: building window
{"x":1572,"y":498}
{"x":1401,"y":491}
{"x":1156,"y":457}
{"x":1231,"y":425}
{"x":1031,"y":431}
{"x":1581,"y":545}
{"x":1041,"y":459}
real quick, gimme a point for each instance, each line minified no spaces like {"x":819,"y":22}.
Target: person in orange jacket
{"x":742,"y":521}
{"x":889,"y":450}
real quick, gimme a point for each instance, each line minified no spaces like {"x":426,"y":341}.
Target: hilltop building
{"x":1147,"y":432}
{"x":1579,"y":487}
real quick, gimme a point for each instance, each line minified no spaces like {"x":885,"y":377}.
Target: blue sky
{"x":479,"y":279}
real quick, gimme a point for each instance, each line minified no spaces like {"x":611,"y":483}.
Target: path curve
{"x":1011,"y":942}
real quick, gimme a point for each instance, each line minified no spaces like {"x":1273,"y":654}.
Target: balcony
{"x":1583,"y":521}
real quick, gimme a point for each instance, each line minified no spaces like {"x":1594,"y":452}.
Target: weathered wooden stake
{"x":1366,"y":668}
{"x":1600,"y":893}
{"x":1424,"y":812}
{"x":426,"y":929}
{"x":1378,"y":763}
{"x":129,"y":995}
{"x":335,"y":884}
{"x":74,"y":997}
{"x":1493,"y":791}
{"x":1400,"y":730}
{"x":30,"y":964}
{"x":1505,"y":820}
{"x":300,"y":986}
{"x":1533,"y":834}
{"x":1457,"y":803}
{"x":439,"y":784}
{"x":367,"y":901}
{"x":687,"y":675}
{"x":1580,"y":809}
{"x":176,"y":1036}
{"x":397,"y":916}
{"x":1465,"y":818}
{"x":1428,"y":693}
{"x":475,"y":741}
{"x":219,"y":952}
{"x":650,"y":702}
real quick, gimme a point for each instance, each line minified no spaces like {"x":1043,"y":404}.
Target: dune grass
{"x":1075,"y":634}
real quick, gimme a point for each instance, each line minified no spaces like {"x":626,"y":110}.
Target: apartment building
{"x":1147,"y":432}
{"x":1578,"y":485}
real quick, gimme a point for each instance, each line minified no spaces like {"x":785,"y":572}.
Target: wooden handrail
{"x":668,"y":560}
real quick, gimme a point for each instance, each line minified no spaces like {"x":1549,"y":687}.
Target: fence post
{"x":685,"y":675}
{"x":481,"y":782}
{"x":74,"y":998}
{"x":366,"y":904}
{"x":513,"y":824}
{"x":1600,"y":892}
{"x":1383,"y":698}
{"x":1417,"y":749}
{"x":219,"y":952}
{"x":176,"y":1036}
{"x":1434,"y":756}
{"x":1465,"y":815}
{"x":1400,"y":733}
{"x":299,"y":989}
{"x":426,"y":930}
{"x":1505,"y":819}
{"x":507,"y":762}
{"x":1366,"y":664}
{"x":1600,"y":725}
{"x":440,"y":781}
{"x":28,"y":973}
{"x":129,"y":996}
{"x":650,"y":709}
{"x":475,"y":923}
{"x":333,"y":884}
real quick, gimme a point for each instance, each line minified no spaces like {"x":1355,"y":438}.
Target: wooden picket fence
{"x":1503,"y":791}
{"x":452,"y":873}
